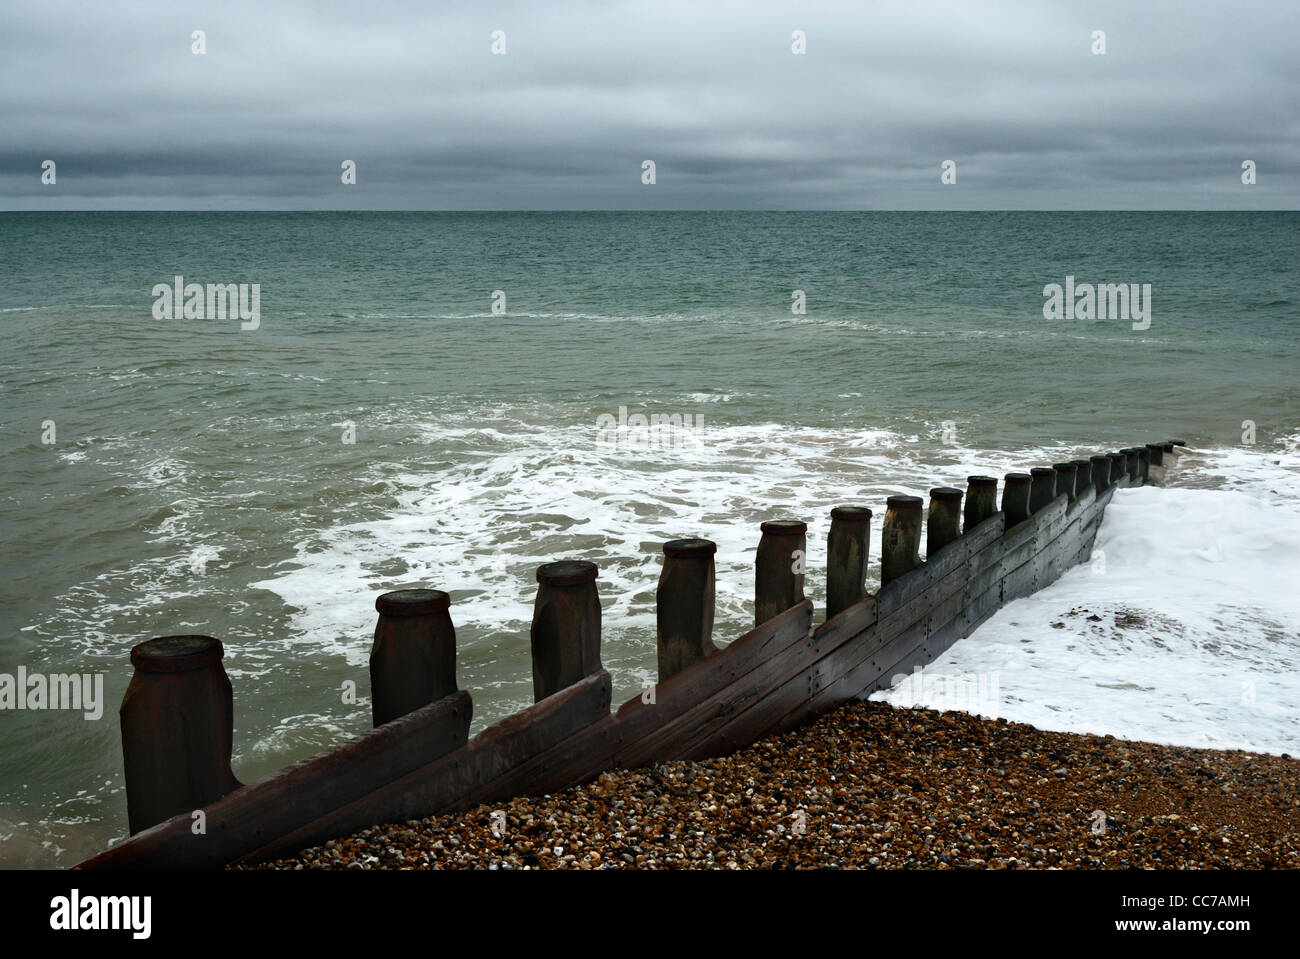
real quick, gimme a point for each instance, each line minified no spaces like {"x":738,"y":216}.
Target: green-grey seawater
{"x":166,"y":476}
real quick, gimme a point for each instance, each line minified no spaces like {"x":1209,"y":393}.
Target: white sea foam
{"x":524,"y":493}
{"x":531,"y":493}
{"x":1188,"y":633}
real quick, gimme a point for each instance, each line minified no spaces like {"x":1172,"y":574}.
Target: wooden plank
{"x":990,"y":546}
{"x":899,"y":649}
{"x":908,"y":586}
{"x":483,"y":767}
{"x":852,"y":663}
{"x":792,"y":682}
{"x":677,"y":700}
{"x":252,"y":815}
{"x":947,"y":625}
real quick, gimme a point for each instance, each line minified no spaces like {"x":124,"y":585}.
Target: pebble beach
{"x":872,"y":786}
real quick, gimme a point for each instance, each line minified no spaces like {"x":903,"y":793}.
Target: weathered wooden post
{"x":413,"y":658}
{"x":684,"y":602}
{"x":847,"y":547}
{"x":1065,"y":478}
{"x":1144,"y":463}
{"x":1042,"y":489}
{"x":1179,"y":443}
{"x":1132,"y":464}
{"x":1015,"y":497}
{"x":943,"y":523}
{"x":1100,"y":472}
{"x":178,"y":722}
{"x":900,"y":537}
{"x":981,"y":500}
{"x":1156,"y":454}
{"x":1167,"y":447}
{"x":779,"y":568}
{"x":566,"y":626}
{"x":1125,"y":464}
{"x":1082,"y":476}
{"x":1118,"y":468}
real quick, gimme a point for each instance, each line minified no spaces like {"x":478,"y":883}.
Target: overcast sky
{"x":710,"y":91}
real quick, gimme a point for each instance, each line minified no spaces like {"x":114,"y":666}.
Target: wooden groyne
{"x":186,"y":808}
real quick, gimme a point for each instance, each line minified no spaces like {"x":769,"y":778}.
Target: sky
{"x":585,"y":92}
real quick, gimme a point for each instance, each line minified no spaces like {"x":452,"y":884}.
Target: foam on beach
{"x":1185,"y":628}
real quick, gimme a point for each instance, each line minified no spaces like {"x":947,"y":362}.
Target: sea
{"x":452,"y":399}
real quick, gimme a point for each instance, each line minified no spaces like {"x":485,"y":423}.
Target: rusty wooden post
{"x":566,"y":626}
{"x":779,"y":568}
{"x":684,"y":605}
{"x":1118,"y":467}
{"x":847,"y":547}
{"x":1156,"y":454}
{"x":981,"y":500}
{"x":1082,"y":476}
{"x":413,"y":658}
{"x":1065,"y":478}
{"x":900,"y":537}
{"x":943,"y":522}
{"x":1042,"y":489}
{"x":178,"y":722}
{"x":1015,"y":498}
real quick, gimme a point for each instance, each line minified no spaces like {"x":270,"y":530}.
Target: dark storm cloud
{"x":710,"y":92}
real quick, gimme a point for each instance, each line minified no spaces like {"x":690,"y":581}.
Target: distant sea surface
{"x":200,"y":479}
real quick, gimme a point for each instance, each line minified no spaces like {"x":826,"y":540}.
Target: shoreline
{"x":876,"y":786}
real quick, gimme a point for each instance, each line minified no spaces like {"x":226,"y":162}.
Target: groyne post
{"x":1118,"y":467}
{"x":1042,"y":489}
{"x":1156,"y":454}
{"x":1100,"y":472}
{"x":566,"y":626}
{"x":178,"y":722}
{"x":847,"y":547}
{"x":779,"y":568}
{"x":1134,"y":465}
{"x":981,"y":501}
{"x":413,"y":658}
{"x":1082,"y":476}
{"x":900,"y":537}
{"x":1065,"y":479}
{"x":1015,"y":498}
{"x":943,"y":522}
{"x":684,"y":605}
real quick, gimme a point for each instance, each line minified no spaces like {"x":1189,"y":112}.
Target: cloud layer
{"x":587,"y":91}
